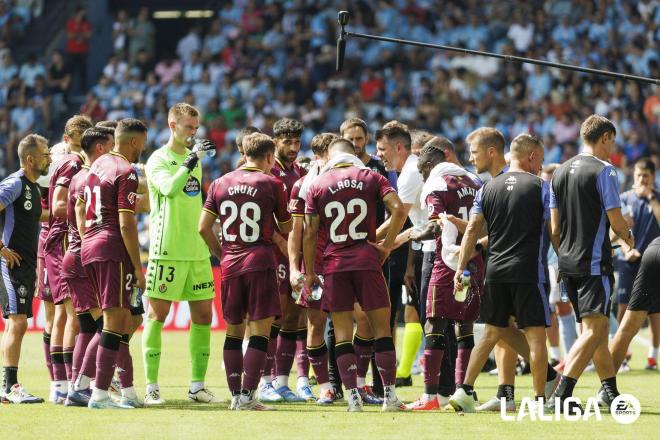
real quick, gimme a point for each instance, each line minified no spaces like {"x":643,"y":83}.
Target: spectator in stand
{"x":78,"y":32}
{"x":142,"y":35}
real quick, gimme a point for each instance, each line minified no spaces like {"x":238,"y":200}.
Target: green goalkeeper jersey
{"x":176,"y":201}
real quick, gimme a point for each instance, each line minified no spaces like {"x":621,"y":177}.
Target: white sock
{"x":568,"y":331}
{"x":325,"y":386}
{"x":129,"y":393}
{"x":427,"y":397}
{"x":653,"y":353}
{"x":390,"y":393}
{"x":282,"y":381}
{"x":303,"y":382}
{"x":267,"y":379}
{"x":196,"y":386}
{"x":61,"y":385}
{"x":245,"y":346}
{"x":100,"y":394}
{"x":70,"y":386}
{"x":152,"y":387}
{"x":361,"y":382}
{"x":555,"y":353}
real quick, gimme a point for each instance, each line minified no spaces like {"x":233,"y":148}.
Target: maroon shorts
{"x":58,"y":289}
{"x":440,"y":302}
{"x":43,"y":290}
{"x":83,"y":295}
{"x":342,"y":289}
{"x":252,"y":294}
{"x":113,"y":281}
{"x":283,"y":283}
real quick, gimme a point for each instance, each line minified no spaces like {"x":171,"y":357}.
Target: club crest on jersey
{"x":162,"y":288}
{"x":192,"y":187}
{"x":22,"y":291}
{"x":28,"y":193}
{"x":509,"y":182}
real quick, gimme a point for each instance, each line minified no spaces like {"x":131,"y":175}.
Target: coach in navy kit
{"x":585,"y":203}
{"x":20,"y":212}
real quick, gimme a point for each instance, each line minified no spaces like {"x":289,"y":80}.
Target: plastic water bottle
{"x":461,"y":295}
{"x":195,"y":147}
{"x":563,"y":292}
{"x":296,"y":294}
{"x":317,"y":292}
{"x":136,"y":297}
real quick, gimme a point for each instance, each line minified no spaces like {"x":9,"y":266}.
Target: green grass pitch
{"x":183,"y":420}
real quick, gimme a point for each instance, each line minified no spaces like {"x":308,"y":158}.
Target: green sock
{"x":200,"y":349}
{"x":412,"y":339}
{"x":151,"y":343}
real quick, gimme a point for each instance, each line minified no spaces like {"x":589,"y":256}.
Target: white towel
{"x":435,"y":182}
{"x":313,"y":172}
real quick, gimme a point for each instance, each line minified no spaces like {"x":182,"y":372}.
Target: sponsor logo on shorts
{"x":192,"y":187}
{"x":203,"y":286}
{"x":163,"y":288}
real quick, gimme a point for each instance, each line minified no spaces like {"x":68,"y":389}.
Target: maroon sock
{"x":363,"y":350}
{"x":386,"y":360}
{"x":67,"y":356}
{"x":347,"y":364}
{"x":125,"y":363}
{"x":286,"y":350}
{"x":302,"y":357}
{"x":82,"y":341}
{"x":462,"y":359}
{"x":232,"y":355}
{"x":432,"y":363}
{"x":57,"y":360}
{"x":269,"y":365}
{"x":88,"y":367}
{"x":318,"y":357}
{"x":253,"y":363}
{"x":106,"y":358}
{"x":49,"y":364}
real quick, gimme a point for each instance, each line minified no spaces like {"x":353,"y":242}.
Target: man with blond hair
{"x":179,"y":266}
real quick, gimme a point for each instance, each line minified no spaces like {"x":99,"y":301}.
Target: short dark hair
{"x":107,"y":130}
{"x":646,"y":164}
{"x":129,"y":125}
{"x":321,"y":142}
{"x":343,"y":145}
{"x":242,"y":133}
{"x":257,"y":145}
{"x":108,"y":123}
{"x":431,"y":153}
{"x":287,"y":127}
{"x":29,"y":144}
{"x":524,"y":143}
{"x":419,"y":138}
{"x":353,"y":122}
{"x":594,"y":127}
{"x":92,"y":136}
{"x":440,"y":143}
{"x":395,"y":132}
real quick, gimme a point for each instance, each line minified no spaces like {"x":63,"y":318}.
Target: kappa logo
{"x":293,"y":204}
{"x":612,"y":173}
{"x":509,"y":182}
{"x":352,"y":367}
{"x":132,"y":176}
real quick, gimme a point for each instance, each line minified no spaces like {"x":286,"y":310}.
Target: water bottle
{"x":296,"y":294}
{"x":461,"y":295}
{"x":563,"y":292}
{"x":195,"y":146}
{"x":317,"y":291}
{"x":136,"y":297}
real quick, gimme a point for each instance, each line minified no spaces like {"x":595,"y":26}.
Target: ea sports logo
{"x":625,"y":409}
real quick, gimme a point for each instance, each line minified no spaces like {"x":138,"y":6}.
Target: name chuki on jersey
{"x":242,"y":189}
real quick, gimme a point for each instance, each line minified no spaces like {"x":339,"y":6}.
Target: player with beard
{"x":20,"y":213}
{"x":287,"y":334}
{"x":110,"y":249}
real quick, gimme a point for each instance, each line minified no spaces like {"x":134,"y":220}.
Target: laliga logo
{"x":625,"y":409}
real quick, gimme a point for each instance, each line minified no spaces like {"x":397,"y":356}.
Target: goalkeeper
{"x":179,"y":265}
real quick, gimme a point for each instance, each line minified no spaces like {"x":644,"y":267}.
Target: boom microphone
{"x":341,"y":49}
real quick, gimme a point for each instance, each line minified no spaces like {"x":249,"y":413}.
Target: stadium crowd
{"x":271,"y":67}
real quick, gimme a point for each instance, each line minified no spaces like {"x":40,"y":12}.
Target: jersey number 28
{"x":249,"y":215}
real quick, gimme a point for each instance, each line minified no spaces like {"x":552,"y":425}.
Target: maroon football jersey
{"x":245,"y":200}
{"x":110,"y":187}
{"x":76,"y":191}
{"x":297,"y":209}
{"x":43,"y":232}
{"x":345,"y":198}
{"x":64,"y":172}
{"x":456,"y":199}
{"x":289,"y":176}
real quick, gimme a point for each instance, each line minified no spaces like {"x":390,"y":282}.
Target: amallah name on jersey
{"x":242,"y":189}
{"x":346,"y":184}
{"x":466,"y":191}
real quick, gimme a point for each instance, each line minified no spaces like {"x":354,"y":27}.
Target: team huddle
{"x":304,"y":253}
